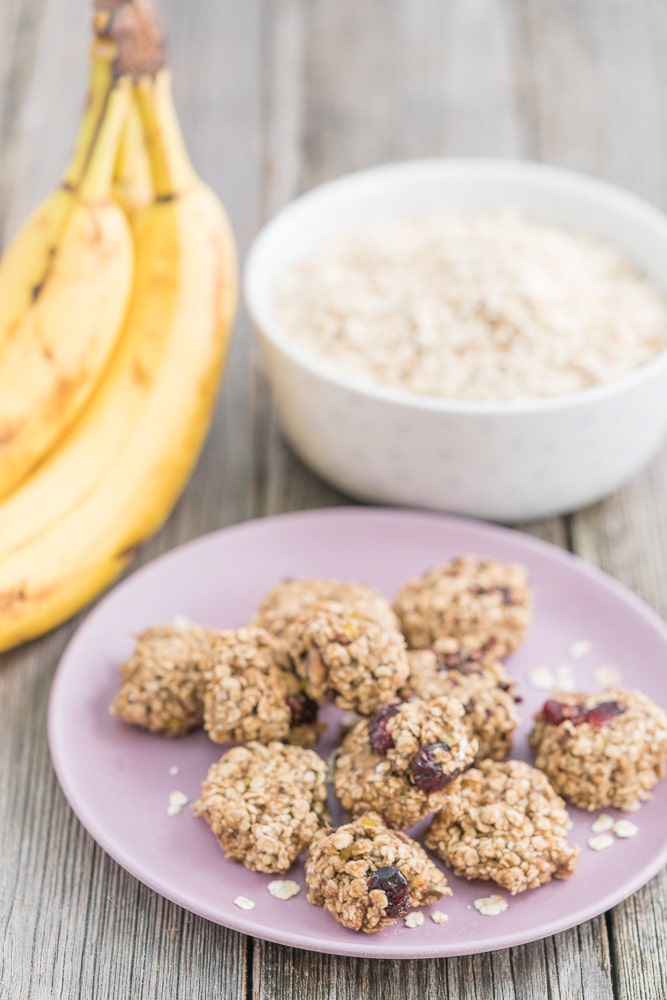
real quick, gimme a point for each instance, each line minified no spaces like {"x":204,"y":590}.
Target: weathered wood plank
{"x":638,"y":940}
{"x":19,"y":19}
{"x":597,"y":98}
{"x":74,"y":924}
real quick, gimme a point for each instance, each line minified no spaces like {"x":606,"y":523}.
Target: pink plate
{"x":117,"y":779}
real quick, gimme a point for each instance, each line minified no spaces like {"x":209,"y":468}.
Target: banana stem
{"x":91,"y":169}
{"x":171,"y":168}
{"x":133,"y":184}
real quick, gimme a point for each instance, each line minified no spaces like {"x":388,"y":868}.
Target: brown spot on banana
{"x":140,"y":374}
{"x":128,"y":553}
{"x":37,"y":289}
{"x":12,"y":598}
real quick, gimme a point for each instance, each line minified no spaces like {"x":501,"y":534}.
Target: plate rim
{"x":356,"y":947}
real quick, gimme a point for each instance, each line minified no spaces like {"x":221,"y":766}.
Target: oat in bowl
{"x":477,"y":306}
{"x":504,"y":357}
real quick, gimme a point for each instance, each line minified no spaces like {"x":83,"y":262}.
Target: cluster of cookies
{"x":434,"y":712}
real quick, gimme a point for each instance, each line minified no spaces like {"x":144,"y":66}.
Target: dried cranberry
{"x":604,"y":712}
{"x":427,"y":774}
{"x":394,"y":885}
{"x":556,"y":712}
{"x":506,"y":595}
{"x":380,"y":739}
{"x":505,"y":592}
{"x":303,"y":710}
{"x":465,"y":662}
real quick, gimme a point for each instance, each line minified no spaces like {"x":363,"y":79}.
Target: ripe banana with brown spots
{"x":71,"y":528}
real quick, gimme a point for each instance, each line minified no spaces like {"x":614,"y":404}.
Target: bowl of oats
{"x":477,"y":336}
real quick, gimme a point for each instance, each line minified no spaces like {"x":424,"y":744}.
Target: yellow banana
{"x":145,"y":427}
{"x":64,"y":286}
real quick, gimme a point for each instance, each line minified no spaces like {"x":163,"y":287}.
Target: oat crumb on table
{"x":414,"y":919}
{"x":367,"y":875}
{"x":600,"y":842}
{"x":476,"y":603}
{"x":503,"y":821}
{"x":624,"y":829}
{"x":490,"y":906}
{"x":244,"y":903}
{"x":438,"y":917}
{"x":607,"y":677}
{"x":580,"y":648}
{"x":603,"y":823}
{"x":401,"y":762}
{"x":265,"y":803}
{"x":601,"y":750}
{"x":472,"y":305}
{"x":176,"y":802}
{"x":542,"y":678}
{"x":565,"y":678}
{"x":283,"y":888}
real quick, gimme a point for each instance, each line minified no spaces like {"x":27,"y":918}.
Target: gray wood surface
{"x":277,"y":95}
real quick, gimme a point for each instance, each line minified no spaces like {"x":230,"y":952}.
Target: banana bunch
{"x":116,"y":304}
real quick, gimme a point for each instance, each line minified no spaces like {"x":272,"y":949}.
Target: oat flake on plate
{"x":472,"y":306}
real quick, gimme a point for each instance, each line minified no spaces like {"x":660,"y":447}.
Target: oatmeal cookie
{"x":265,"y":803}
{"x":504,"y":822}
{"x":482,"y":686}
{"x":164,"y":680}
{"x":605,"y":749}
{"x":344,"y":657}
{"x":291,"y":599}
{"x":252,"y":693}
{"x":470,"y":601}
{"x":366,"y":875}
{"x":401,"y":762}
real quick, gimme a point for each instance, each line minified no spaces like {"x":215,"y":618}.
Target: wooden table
{"x":277,"y":95}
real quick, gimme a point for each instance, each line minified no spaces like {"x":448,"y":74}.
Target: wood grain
{"x":277,"y":95}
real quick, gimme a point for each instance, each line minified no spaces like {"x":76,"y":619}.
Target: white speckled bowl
{"x":504,"y":461}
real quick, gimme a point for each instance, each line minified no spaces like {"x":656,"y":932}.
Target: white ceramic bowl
{"x":504,"y":461}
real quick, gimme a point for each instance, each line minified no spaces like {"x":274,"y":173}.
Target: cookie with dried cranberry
{"x":401,"y":762}
{"x":607,"y":749}
{"x":164,"y":680}
{"x":504,"y":822}
{"x":367,"y":876}
{"x":474,"y":603}
{"x":292,"y":599}
{"x":481,"y":685}
{"x":265,"y":803}
{"x":343,"y":657}
{"x":252,"y":693}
